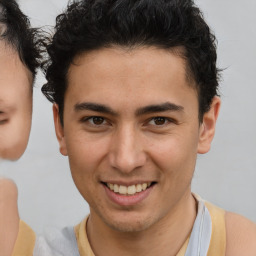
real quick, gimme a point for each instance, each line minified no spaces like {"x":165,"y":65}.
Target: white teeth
{"x":139,"y":188}
{"x":130,"y":190}
{"x":122,"y":190}
{"x":144,"y":186}
{"x":116,"y":188}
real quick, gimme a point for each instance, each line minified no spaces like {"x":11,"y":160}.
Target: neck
{"x":164,"y":238}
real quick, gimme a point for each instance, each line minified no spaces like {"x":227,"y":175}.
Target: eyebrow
{"x":94,"y":107}
{"x":167,"y":106}
{"x":101,"y":108}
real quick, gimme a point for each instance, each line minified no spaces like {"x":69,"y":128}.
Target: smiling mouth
{"x":129,"y":190}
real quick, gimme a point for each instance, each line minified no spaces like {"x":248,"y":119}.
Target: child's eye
{"x":3,"y":121}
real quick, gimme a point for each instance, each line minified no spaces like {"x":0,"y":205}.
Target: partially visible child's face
{"x":15,"y":103}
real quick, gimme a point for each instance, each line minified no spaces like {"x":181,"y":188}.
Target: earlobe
{"x":207,"y":127}
{"x":59,"y":130}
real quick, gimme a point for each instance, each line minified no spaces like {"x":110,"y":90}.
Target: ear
{"x":59,"y":130}
{"x":207,"y":127}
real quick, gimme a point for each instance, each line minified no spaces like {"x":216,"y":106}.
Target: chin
{"x":13,"y":153}
{"x":129,"y":224}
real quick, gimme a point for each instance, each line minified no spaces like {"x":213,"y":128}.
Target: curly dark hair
{"x":88,"y":25}
{"x":16,"y":32}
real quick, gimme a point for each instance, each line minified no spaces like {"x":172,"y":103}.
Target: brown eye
{"x":95,"y":120}
{"x":98,"y":120}
{"x":159,"y":120}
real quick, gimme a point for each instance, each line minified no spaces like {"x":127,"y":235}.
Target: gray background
{"x":225,"y":176}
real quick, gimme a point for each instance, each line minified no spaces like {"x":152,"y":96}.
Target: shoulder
{"x":241,"y":235}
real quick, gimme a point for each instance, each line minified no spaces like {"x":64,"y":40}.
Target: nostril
{"x":127,"y":162}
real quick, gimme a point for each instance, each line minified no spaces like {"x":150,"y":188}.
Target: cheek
{"x":175,"y":158}
{"x":14,"y":136}
{"x":23,"y":122}
{"x":175,"y":154}
{"x":85,"y":157}
{"x":83,"y":149}
{"x":84,"y":160}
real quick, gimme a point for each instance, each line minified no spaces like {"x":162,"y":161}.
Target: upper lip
{"x":127,"y":183}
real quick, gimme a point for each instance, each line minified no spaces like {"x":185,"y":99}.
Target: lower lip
{"x":128,"y":200}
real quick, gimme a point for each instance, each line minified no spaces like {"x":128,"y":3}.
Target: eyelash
{"x":3,"y":121}
{"x":87,"y":120}
{"x":162,"y":118}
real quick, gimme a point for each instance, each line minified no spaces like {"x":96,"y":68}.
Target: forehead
{"x":15,"y":81}
{"x":137,"y":57}
{"x":13,"y":73}
{"x":144,"y":75}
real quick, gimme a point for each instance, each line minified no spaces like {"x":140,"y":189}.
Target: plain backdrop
{"x":225,"y":176}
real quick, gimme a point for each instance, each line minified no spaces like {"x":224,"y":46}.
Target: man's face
{"x":15,"y":104}
{"x":130,"y":124}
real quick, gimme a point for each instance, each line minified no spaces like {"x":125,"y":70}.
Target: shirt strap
{"x":25,"y":242}
{"x":218,"y":239}
{"x":82,"y":239}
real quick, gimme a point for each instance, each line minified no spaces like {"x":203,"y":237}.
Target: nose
{"x":127,"y":153}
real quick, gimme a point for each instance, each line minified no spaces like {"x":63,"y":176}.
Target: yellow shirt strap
{"x":217,"y":244}
{"x":24,"y":245}
{"x":82,"y":239}
{"x":183,"y":249}
{"x":85,"y":248}
{"x":218,"y":239}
